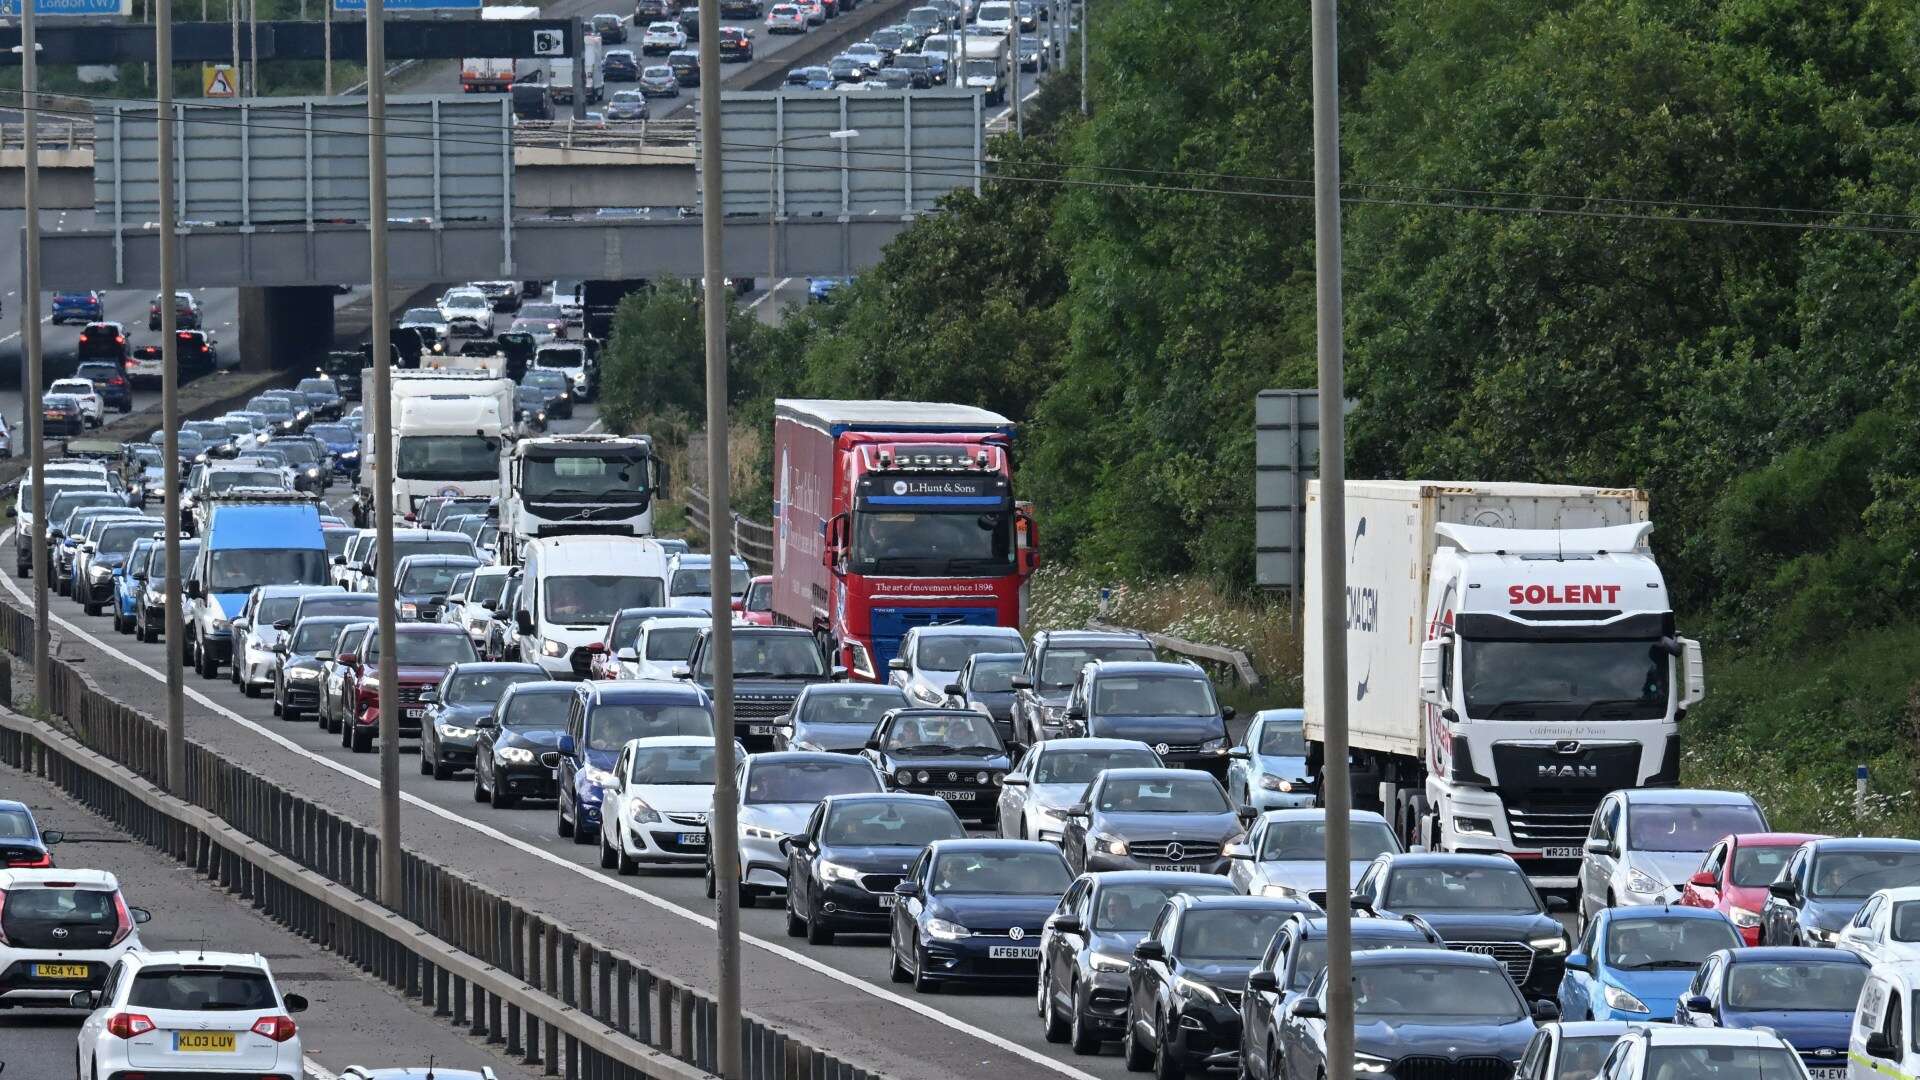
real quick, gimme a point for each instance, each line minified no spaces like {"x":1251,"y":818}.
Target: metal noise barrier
{"x":552,"y":997}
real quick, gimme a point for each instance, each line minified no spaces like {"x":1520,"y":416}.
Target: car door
{"x":1057,"y":950}
{"x":1240,"y":766}
{"x":906,"y":914}
{"x":800,"y":857}
{"x":1299,"y":1040}
{"x":1240,"y":871}
{"x":1144,"y":979}
{"x":570,"y":761}
{"x":879,"y":737}
{"x":1596,"y":867}
{"x":1011,"y":805}
{"x":1533,"y":1060}
{"x":1863,"y":932}
{"x":1026,"y":719}
{"x":616,"y":794}
{"x":901,"y":667}
{"x":1777,"y":916}
{"x":1073,"y":835}
{"x":1576,"y":986}
{"x":1257,"y":1027}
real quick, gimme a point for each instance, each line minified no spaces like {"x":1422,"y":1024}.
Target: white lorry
{"x":985,"y":66}
{"x":448,"y":428}
{"x":493,"y":74}
{"x":1511,"y":658}
{"x":571,"y":485}
{"x":559,"y":74}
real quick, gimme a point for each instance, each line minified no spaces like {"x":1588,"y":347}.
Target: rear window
{"x":65,"y":906}
{"x":202,"y":989}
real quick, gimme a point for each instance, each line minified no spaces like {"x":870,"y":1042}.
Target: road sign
{"x":405,"y":5}
{"x":549,"y":43}
{"x":218,"y":80}
{"x":10,"y":9}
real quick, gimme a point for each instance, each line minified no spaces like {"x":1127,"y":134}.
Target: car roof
{"x":1104,"y":878}
{"x":1284,"y":715}
{"x":1674,"y":1035}
{"x":1450,"y":858}
{"x":1089,"y":742}
{"x":1092,"y":637}
{"x":1864,"y":843}
{"x":42,"y":879}
{"x":1901,"y":893}
{"x":1439,"y":954}
{"x":1784,"y":953}
{"x":600,"y":691}
{"x":1240,"y":902}
{"x":15,"y":804}
{"x":1685,"y":797}
{"x":1375,"y":929}
{"x":1314,"y":813}
{"x":789,"y":757}
{"x":420,"y":628}
{"x":491,"y":667}
{"x":1772,"y":839}
{"x":672,"y":740}
{"x":441,"y":558}
{"x":278,"y":591}
{"x":1665,"y":911}
{"x":963,"y":630}
{"x":1588,"y":1029}
{"x":1179,"y":668}
{"x":1148,"y":773}
{"x":976,"y":843}
{"x":198,"y":957}
{"x":551,"y":686}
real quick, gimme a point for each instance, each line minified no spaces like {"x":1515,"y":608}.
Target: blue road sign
{"x":400,"y":5}
{"x":10,"y":9}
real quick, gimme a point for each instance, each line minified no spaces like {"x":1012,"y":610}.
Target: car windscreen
{"x":890,"y":824}
{"x":228,"y":479}
{"x":1311,"y":957}
{"x":488,"y":589}
{"x":850,"y":705}
{"x":1133,"y":907}
{"x":427,"y":650}
{"x":1061,"y":666}
{"x":949,"y":652}
{"x":1306,"y":841}
{"x":673,"y":765}
{"x":1756,"y":867}
{"x":432,"y":579}
{"x":232,"y":570}
{"x":342,"y":605}
{"x":594,"y":599}
{"x":1656,"y":944}
{"x":209,"y":989}
{"x":1417,"y":992}
{"x":612,"y":723}
{"x":1153,"y":695}
{"x":332,"y":433}
{"x":770,"y":656}
{"x":568,"y":358}
{"x":118,"y":539}
{"x":671,"y":642}
{"x":1680,"y":827}
{"x":808,"y":781}
{"x":1581,"y":1057}
{"x":404,"y":548}
{"x":1282,"y":740}
{"x":311,"y":637}
{"x":1856,"y":875}
{"x":1001,"y":873}
{"x":1723,"y":1062}
{"x":699,"y":581}
{"x":547,"y":380}
{"x":943,"y":733}
{"x":337,"y":540}
{"x":1459,"y":888}
{"x":483,"y":687}
{"x":544,"y":710}
{"x":1083,"y":766}
{"x":315,"y":386}
{"x":1160,"y":795}
{"x":275,"y":608}
{"x":1233,"y":935}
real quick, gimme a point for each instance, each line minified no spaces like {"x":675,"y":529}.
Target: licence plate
{"x":1829,"y":1073}
{"x":886,"y":900}
{"x":696,"y":839}
{"x":417,"y":713}
{"x":1013,"y":952}
{"x":204,"y":1042}
{"x":1560,"y":853}
{"x":759,"y":729}
{"x":60,"y":971}
{"x":1191,"y":868}
{"x":956,"y":796}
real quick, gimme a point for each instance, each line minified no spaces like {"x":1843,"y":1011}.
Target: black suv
{"x":770,"y":665}
{"x":1476,"y":903}
{"x":953,"y":753}
{"x":1170,"y":707}
{"x":612,"y":30}
{"x":1054,"y":660}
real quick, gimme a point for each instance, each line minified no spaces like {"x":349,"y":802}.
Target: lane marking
{"x":658,"y":902}
{"x":315,"y":1070}
{"x":768,"y":295}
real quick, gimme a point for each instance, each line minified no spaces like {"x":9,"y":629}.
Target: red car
{"x":756,"y":607}
{"x":1734,"y":878}
{"x":425,"y":651}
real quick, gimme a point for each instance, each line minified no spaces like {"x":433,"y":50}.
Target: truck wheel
{"x":1417,"y":811}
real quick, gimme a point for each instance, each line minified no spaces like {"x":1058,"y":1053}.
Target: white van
{"x":1885,"y":1039}
{"x":572,"y":587}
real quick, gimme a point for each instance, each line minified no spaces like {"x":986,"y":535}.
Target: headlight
{"x":982,"y":776}
{"x":1638,"y":882}
{"x":926,"y":694}
{"x":1368,"y":1065}
{"x":946,"y":931}
{"x":1103,"y":962}
{"x":409,"y":610}
{"x":1274,"y":783}
{"x":922,"y":776}
{"x":903,"y":776}
{"x":803,"y":744}
{"x":550,"y":647}
{"x":99,"y":574}
{"x":1197,"y":989}
{"x":596,"y":777}
{"x":1823,"y":937}
{"x":1285,"y":892}
{"x":1473,"y":826}
{"x":1552,"y":946}
{"x":455,"y":731}
{"x":830,"y":871}
{"x":301,"y":674}
{"x":514,"y":755}
{"x":1053,"y":714}
{"x":1743,"y":917}
{"x":1625,"y":1002}
{"x":1109,"y":843}
{"x":641,"y":813}
{"x":1215,"y":746}
{"x":313,"y":472}
{"x":1048,"y":813}
{"x":761,"y":832}
{"x":219,"y":625}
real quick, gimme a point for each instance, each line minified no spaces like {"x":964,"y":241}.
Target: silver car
{"x":1153,"y":819}
{"x":931,"y":657}
{"x":1646,"y":842}
{"x":1036,"y":795}
{"x":777,"y":793}
{"x":1286,"y":851}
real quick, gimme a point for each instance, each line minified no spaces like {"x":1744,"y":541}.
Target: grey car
{"x":1646,"y":842}
{"x":1152,"y":819}
{"x":778,"y":791}
{"x":627,"y":105}
{"x":931,"y":657}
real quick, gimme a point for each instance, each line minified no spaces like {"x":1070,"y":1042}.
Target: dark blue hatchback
{"x":1805,"y":995}
{"x":972,"y":911}
{"x":23,"y":846}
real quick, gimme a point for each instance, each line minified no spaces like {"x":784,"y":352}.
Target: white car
{"x":931,"y":657}
{"x":786,"y":19}
{"x":471,"y":607}
{"x":1661,"y":1051}
{"x":1886,"y":930}
{"x":191,"y":1013}
{"x":662,"y":37}
{"x":1285,"y":853}
{"x":64,"y":930}
{"x":92,"y":405}
{"x":468,"y":302}
{"x":6,"y":438}
{"x":994,"y":17}
{"x":656,"y":809}
{"x":662,"y":644}
{"x":539,"y":329}
{"x":1054,"y":775}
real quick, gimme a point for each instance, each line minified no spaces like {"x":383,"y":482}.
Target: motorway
{"x":353,"y":1020}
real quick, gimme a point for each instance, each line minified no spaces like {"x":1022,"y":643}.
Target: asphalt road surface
{"x":352,"y":1020}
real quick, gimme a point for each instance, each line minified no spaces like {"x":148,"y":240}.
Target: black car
{"x":1170,"y":707}
{"x":1479,"y":903}
{"x":1086,"y":948}
{"x":619,"y":66}
{"x":736,"y":43}
{"x":842,"y":870}
{"x":952,"y":753}
{"x":894,"y":78}
{"x":770,"y":665}
{"x":742,"y":9}
{"x":1054,"y":660}
{"x":456,"y":708}
{"x":845,"y":69}
{"x":23,"y":844}
{"x":527,"y":721}
{"x":1297,"y":956}
{"x":1425,"y":1012}
{"x":1187,"y":976}
{"x":296,"y":684}
{"x":973,"y":911}
{"x":344,"y":369}
{"x":1826,"y":881}
{"x":109,"y":380}
{"x":838,"y":717}
{"x":686,"y":66}
{"x":558,"y":388}
{"x":104,"y":341}
{"x":985,"y":685}
{"x":611,"y":28}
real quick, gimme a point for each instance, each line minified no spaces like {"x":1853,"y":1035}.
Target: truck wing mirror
{"x":1432,"y":659}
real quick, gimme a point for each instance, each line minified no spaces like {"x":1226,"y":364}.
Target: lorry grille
{"x":1539,"y":825}
{"x":1516,"y":957}
{"x":1437,"y":1068}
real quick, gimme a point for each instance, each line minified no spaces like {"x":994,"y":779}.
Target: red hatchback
{"x":756,"y":607}
{"x":1734,"y":878}
{"x":426,"y":651}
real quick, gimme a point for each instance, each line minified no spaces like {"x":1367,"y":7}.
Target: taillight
{"x":277,"y":1028}
{"x":44,"y":862}
{"x":123,"y":920}
{"x":116,"y":381}
{"x":119,"y":339}
{"x":127,"y":1025}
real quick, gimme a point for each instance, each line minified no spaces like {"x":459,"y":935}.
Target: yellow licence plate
{"x":208,"y":1042}
{"x":60,"y":971}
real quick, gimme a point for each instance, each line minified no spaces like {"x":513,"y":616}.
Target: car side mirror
{"x":955,"y":689}
{"x":551,"y":759}
{"x":1013,"y":781}
{"x":1068,"y":924}
{"x":1698,"y":1003}
{"x":1020,"y":682}
{"x":567,"y":745}
{"x":1227,"y":712}
{"x":1150,"y":949}
{"x":349,"y":659}
{"x":630,"y":655}
{"x":908,"y":889}
{"x":1600,"y":847}
{"x":1263,"y":982}
{"x":1545,"y":1011}
{"x":873,"y":744}
{"x":682,"y":671}
{"x":283,"y":625}
{"x":897,"y":664}
{"x":241,"y":624}
{"x":323,"y":656}
{"x":194,"y":592}
{"x":1247,"y":814}
{"x":1076,"y":712}
{"x":1237,"y":851}
{"x":1878,"y":1045}
{"x":1557,"y":903}
{"x":295,"y":1003}
{"x":1580,"y":961}
{"x":523,"y":622}
{"x":1703,"y":879}
{"x":1240,"y":753}
{"x":140,"y":914}
{"x":1785,"y":890}
{"x":838,"y":673}
{"x":1077,"y":810}
{"x":280,"y":648}
{"x":1309,"y":1009}
{"x":84,"y":999}
{"x":429,"y":695}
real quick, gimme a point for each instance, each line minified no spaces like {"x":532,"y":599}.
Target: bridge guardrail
{"x":752,"y":540}
{"x":566,"y":134}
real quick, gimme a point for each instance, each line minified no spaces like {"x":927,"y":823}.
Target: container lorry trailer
{"x":1512,"y":657}
{"x":894,"y":514}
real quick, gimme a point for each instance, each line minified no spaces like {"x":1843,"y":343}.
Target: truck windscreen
{"x":448,"y":457}
{"x":914,"y":542}
{"x":584,"y":476}
{"x":1565,"y":680}
{"x":239,"y":570}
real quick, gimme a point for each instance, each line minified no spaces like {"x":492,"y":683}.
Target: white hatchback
{"x":92,"y":405}
{"x":656,"y":809}
{"x":191,"y":1013}
{"x":60,"y":931}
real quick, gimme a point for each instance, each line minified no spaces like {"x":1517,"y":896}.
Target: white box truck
{"x":493,"y":74}
{"x":1511,"y":658}
{"x":573,"y":485}
{"x":448,"y":429}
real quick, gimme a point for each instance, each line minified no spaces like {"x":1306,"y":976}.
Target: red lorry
{"x":895,"y":514}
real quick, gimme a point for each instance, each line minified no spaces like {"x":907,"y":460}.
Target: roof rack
{"x":262,"y":496}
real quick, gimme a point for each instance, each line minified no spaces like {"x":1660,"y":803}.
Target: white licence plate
{"x":1191,"y":868}
{"x":1560,"y":853}
{"x":956,"y":796}
{"x":886,"y":899}
{"x":759,"y":729}
{"x":1013,"y":952}
{"x":1832,"y":1073}
{"x":416,"y":713}
{"x":697,"y":839}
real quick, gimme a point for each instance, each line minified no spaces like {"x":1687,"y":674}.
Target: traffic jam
{"x":1071,"y":817}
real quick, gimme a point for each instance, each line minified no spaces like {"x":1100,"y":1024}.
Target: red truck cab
{"x":895,"y":514}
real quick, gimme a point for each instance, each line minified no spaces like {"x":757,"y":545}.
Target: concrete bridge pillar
{"x":287,"y":327}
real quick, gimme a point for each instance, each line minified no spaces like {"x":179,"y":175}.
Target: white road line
{"x":315,"y":1070}
{"x":1008,"y":111}
{"x":768,"y":295}
{"x":658,"y":902}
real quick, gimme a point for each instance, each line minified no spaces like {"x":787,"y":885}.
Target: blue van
{"x":273,"y":540}
{"x":603,"y":716}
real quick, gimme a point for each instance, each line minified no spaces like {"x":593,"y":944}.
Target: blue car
{"x":1635,"y":963}
{"x":973,"y":910}
{"x":23,"y":846}
{"x":83,"y":307}
{"x":606,"y":715}
{"x":129,"y":583}
{"x":1269,"y":768}
{"x":821,"y":289}
{"x":1804,"y":995}
{"x":343,"y":446}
